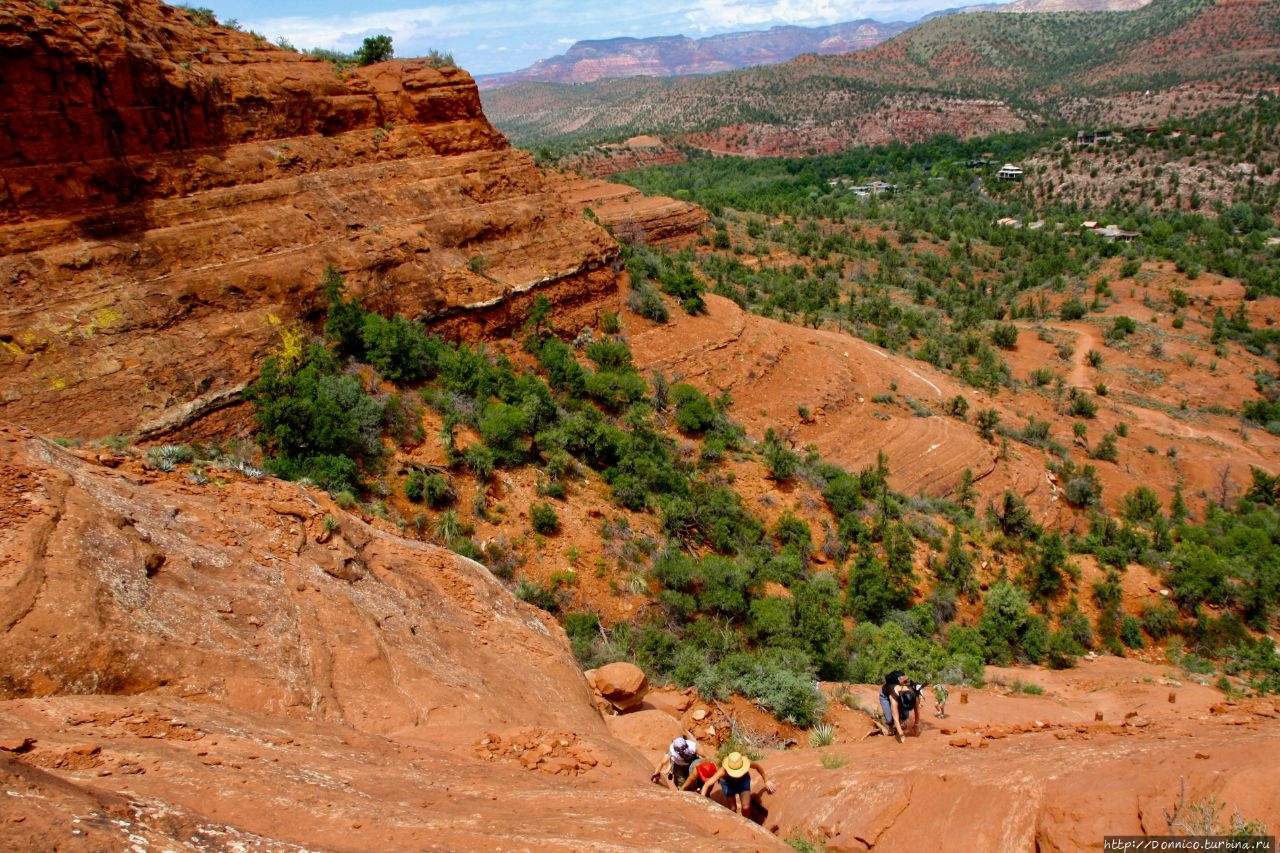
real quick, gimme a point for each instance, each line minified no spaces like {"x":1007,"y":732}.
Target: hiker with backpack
{"x":679,"y":756}
{"x":900,"y":699}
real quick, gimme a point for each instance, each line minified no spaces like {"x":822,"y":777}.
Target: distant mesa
{"x":669,"y":56}
{"x":963,"y":75}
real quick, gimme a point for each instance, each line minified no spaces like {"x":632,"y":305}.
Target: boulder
{"x":649,"y":731}
{"x":622,"y":685}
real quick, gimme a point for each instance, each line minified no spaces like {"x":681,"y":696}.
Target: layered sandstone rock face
{"x":173,"y":193}
{"x":632,"y":215}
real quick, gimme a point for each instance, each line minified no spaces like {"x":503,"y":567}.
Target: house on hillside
{"x":1114,"y":232}
{"x":1089,"y":137}
{"x":1009,"y":172}
{"x":873,"y":188}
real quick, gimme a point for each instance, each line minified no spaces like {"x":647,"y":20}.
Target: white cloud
{"x":493,"y":35}
{"x":728,"y":15}
{"x":719,"y":16}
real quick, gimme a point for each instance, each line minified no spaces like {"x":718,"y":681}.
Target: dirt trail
{"x":1084,"y":344}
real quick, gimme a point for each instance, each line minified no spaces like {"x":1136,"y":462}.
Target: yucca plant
{"x":169,"y":456}
{"x":823,"y":734}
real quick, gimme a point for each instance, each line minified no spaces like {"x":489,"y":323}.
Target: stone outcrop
{"x":246,"y":667}
{"x":630,"y":214}
{"x":173,"y":193}
{"x":621,"y":685}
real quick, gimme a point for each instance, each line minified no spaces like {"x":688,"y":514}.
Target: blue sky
{"x":490,"y":36}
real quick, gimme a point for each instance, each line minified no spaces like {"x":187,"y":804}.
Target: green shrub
{"x":1004,"y":616}
{"x":1140,"y":504}
{"x":1045,"y":572}
{"x":645,"y":301}
{"x":1082,"y":406}
{"x":199,"y":15}
{"x":314,"y":422}
{"x":1077,"y":626}
{"x":505,"y":430}
{"x":480,"y":460}
{"x":543,"y":518}
{"x":1072,"y":309}
{"x":772,"y":620}
{"x":1063,"y":650}
{"x":1121,"y":328}
{"x":843,"y":493}
{"x":780,"y":460}
{"x":793,"y":532}
{"x":400,"y":349}
{"x":694,"y":412}
{"x":1201,"y":575}
{"x":564,"y":373}
{"x":539,"y":595}
{"x":1034,"y":639}
{"x":956,"y":569}
{"x":1131,"y":631}
{"x":870,"y":593}
{"x":1084,"y":489}
{"x":334,"y":474}
{"x":1105,"y":450}
{"x":877,"y":650}
{"x":723,"y":587}
{"x":1005,"y":335}
{"x":773,"y":681}
{"x":1012,"y":517}
{"x":610,"y":355}
{"x":374,"y":49}
{"x":614,"y":390}
{"x":431,"y":489}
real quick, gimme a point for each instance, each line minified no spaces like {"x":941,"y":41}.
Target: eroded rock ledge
{"x":173,"y":193}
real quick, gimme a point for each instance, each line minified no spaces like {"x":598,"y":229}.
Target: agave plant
{"x":169,"y":456}
{"x":823,"y":734}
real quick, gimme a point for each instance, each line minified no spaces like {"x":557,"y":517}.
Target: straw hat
{"x":736,"y":764}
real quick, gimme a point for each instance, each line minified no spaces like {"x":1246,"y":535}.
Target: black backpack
{"x":907,"y":699}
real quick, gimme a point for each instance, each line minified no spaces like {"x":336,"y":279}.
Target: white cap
{"x":683,"y":750}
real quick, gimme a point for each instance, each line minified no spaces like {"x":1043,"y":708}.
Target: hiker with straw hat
{"x":734,"y":777}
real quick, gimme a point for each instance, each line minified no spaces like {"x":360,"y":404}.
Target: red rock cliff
{"x":171,"y":188}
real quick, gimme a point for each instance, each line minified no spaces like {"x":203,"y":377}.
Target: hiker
{"x":940,"y":700}
{"x":898,"y":700}
{"x":734,"y":776}
{"x":701,"y":770}
{"x":681,"y":753}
